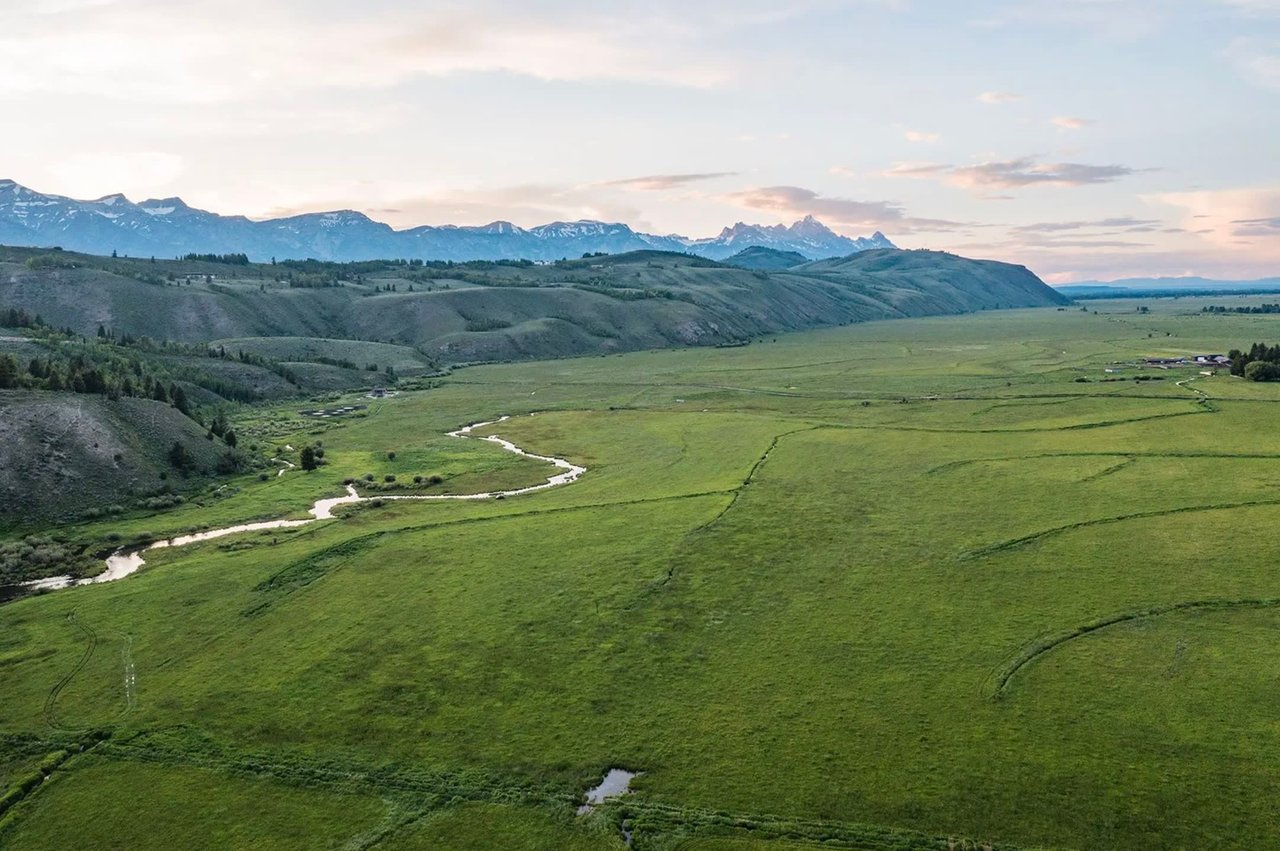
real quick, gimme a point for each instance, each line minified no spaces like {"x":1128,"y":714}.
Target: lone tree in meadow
{"x":308,"y":459}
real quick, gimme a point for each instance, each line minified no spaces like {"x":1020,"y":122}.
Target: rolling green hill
{"x":461,"y":313}
{"x":769,"y":259}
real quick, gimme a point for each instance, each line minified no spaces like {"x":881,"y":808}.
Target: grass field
{"x":908,"y":584}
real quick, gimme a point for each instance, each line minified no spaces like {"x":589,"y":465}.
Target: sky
{"x":1086,"y":139}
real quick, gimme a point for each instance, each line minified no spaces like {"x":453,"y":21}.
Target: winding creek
{"x":125,"y":562}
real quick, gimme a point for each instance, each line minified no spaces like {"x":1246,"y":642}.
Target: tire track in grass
{"x":1001,"y":677}
{"x":130,"y":676}
{"x":1015,"y":543}
{"x":91,"y":645}
{"x":1109,"y":471}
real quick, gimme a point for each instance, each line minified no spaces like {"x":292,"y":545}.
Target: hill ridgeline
{"x":475,"y":312}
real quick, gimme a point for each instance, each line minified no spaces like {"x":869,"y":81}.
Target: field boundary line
{"x":751,"y":474}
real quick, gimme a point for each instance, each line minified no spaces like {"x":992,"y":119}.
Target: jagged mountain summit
{"x":168,"y":227}
{"x":808,"y":236}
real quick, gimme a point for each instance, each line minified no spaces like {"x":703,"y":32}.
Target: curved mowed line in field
{"x":1225,"y":456}
{"x":1024,"y":540}
{"x":1038,"y":649}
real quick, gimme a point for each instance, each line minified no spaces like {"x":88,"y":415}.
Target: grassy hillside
{"x":350,"y":354}
{"x":458,"y":313}
{"x":758,"y":257}
{"x":63,"y":455}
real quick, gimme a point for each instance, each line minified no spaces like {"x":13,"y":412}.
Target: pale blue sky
{"x":1085,"y":138}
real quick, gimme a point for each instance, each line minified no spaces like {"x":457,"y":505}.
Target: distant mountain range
{"x":168,"y":227}
{"x":1181,"y":283}
{"x":1148,"y":287}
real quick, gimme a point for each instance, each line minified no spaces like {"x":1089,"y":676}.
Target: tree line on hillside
{"x":1256,"y":308}
{"x":229,"y":259}
{"x":125,"y":366}
{"x":1260,"y":363}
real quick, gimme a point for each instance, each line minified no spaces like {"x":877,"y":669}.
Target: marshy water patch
{"x":325,"y":413}
{"x":616,"y":782}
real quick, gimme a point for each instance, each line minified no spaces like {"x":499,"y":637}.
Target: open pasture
{"x":905,"y":584}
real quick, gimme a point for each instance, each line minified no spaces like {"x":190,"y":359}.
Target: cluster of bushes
{"x":100,"y":511}
{"x":51,"y":261}
{"x":622,"y":293}
{"x":390,"y":482}
{"x":37,"y":556}
{"x":487,"y":324}
{"x":161,"y":501}
{"x":339,"y":362}
{"x":313,"y":282}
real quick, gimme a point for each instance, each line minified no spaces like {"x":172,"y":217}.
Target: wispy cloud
{"x":1025,"y":171}
{"x":1123,"y":20}
{"x":998,"y":98}
{"x":212,"y":51}
{"x":524,"y":204}
{"x":660,"y":182}
{"x":1269,"y":226}
{"x":1070,"y":122}
{"x":796,"y":201}
{"x":1013,"y":174}
{"x":1128,"y":223}
{"x":1255,"y":8}
{"x":917,"y":170}
{"x":919,"y":136}
{"x":1257,"y":60}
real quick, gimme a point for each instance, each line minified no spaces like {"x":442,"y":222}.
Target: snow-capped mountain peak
{"x":169,"y":227}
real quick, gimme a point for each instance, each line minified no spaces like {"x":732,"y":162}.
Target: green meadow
{"x":923,"y":583}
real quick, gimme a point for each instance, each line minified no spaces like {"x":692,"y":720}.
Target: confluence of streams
{"x":121,"y":563}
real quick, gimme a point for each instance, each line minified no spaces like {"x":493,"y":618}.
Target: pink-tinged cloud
{"x":1257,"y":60}
{"x":999,"y":98}
{"x":919,"y":136}
{"x":660,"y":182}
{"x":796,"y":201}
{"x":917,"y":170}
{"x":1071,"y":122}
{"x":1244,"y":220}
